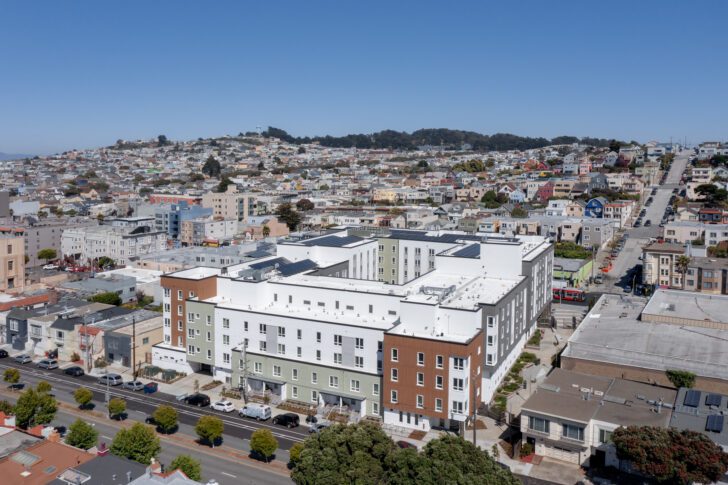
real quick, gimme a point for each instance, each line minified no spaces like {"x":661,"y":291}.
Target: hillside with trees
{"x":439,"y":137}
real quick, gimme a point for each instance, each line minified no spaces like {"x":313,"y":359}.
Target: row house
{"x":619,"y":212}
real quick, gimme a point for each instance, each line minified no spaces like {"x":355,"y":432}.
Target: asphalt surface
{"x":140,"y":405}
{"x":224,"y":470}
{"x":637,"y":237}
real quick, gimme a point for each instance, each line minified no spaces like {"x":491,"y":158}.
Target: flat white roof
{"x":196,"y":273}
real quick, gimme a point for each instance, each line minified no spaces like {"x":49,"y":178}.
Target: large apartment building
{"x":312,"y":324}
{"x":230,"y":204}
{"x":121,"y":240}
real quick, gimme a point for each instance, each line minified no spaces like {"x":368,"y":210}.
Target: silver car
{"x":23,"y":359}
{"x":134,"y":385}
{"x":48,"y":364}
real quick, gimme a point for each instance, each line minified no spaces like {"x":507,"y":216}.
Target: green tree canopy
{"x":211,"y":167}
{"x":188,"y":465}
{"x":138,"y":443}
{"x":209,"y":429}
{"x":166,"y":418}
{"x":11,"y":375}
{"x":35,"y":407}
{"x":288,"y":215}
{"x":362,"y":453}
{"x":304,"y":205}
{"x":680,"y":378}
{"x":263,"y":442}
{"x":82,"y":435}
{"x":47,"y":254}
{"x":671,"y":456}
{"x":108,"y":297}
{"x":117,"y":407}
{"x":83,"y":396}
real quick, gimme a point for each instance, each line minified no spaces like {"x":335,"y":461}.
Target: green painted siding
{"x":302,"y":389}
{"x":201,"y":330}
{"x":389,"y":250}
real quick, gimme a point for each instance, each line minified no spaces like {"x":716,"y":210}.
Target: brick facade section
{"x":202,"y":288}
{"x":407,"y":369}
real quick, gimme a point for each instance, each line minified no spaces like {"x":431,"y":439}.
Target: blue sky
{"x":85,"y":73}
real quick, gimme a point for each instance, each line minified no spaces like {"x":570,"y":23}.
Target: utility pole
{"x":475,"y":407}
{"x":133,"y":348}
{"x":244,"y":387}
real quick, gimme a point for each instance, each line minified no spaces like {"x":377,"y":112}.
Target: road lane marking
{"x":107,"y":437}
{"x":229,"y":475}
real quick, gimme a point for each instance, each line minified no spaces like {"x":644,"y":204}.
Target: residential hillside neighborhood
{"x":540,"y":303}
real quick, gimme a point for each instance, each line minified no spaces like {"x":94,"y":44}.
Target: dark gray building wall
{"x":117,"y":348}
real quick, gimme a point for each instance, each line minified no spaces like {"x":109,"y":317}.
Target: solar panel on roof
{"x":692,"y":398}
{"x":332,"y":241}
{"x":712,"y":400}
{"x":297,"y":267}
{"x":269,"y":263}
{"x":472,"y":251}
{"x":714,"y":423}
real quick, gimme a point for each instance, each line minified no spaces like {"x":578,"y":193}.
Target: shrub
{"x":526,"y":449}
{"x":681,"y":378}
{"x":75,"y":357}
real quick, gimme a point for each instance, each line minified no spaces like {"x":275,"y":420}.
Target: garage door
{"x":563,"y":455}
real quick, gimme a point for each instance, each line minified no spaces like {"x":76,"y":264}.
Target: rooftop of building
{"x":664,"y":247}
{"x":581,"y":397}
{"x":196,"y":273}
{"x":703,"y":412}
{"x":103,"y":469}
{"x":41,"y":462}
{"x":143,"y":319}
{"x":612,"y":333}
{"x":688,"y":305}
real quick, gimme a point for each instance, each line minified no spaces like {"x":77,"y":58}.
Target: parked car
{"x":318,"y":427}
{"x":224,"y":406}
{"x":134,"y":385}
{"x":74,"y":371}
{"x":50,"y":267}
{"x":598,"y":279}
{"x":289,"y":420}
{"x":23,"y":359}
{"x":3,"y":353}
{"x":47,"y":364}
{"x":111,"y":380}
{"x":61,"y":430}
{"x":405,"y":444}
{"x":151,"y":388}
{"x":260,"y":412}
{"x":199,"y":400}
{"x":150,"y":420}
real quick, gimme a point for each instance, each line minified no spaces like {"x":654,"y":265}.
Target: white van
{"x":260,"y":412}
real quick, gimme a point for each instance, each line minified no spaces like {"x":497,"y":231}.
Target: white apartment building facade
{"x":312,"y":324}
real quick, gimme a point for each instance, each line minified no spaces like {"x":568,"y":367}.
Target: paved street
{"x":639,"y":236}
{"x":139,"y":405}
{"x":218,"y":466}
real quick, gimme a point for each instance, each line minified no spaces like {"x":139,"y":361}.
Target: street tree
{"x":188,"y":465}
{"x":82,"y":435}
{"x":83,"y":396}
{"x":43,"y":387}
{"x":35,"y":407}
{"x":138,"y":443}
{"x":209,"y":429}
{"x":117,"y":407}
{"x":165,"y":417}
{"x":263,"y":443}
{"x":266,"y":231}
{"x":47,"y":254}
{"x":11,"y":375}
{"x":7,"y":408}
